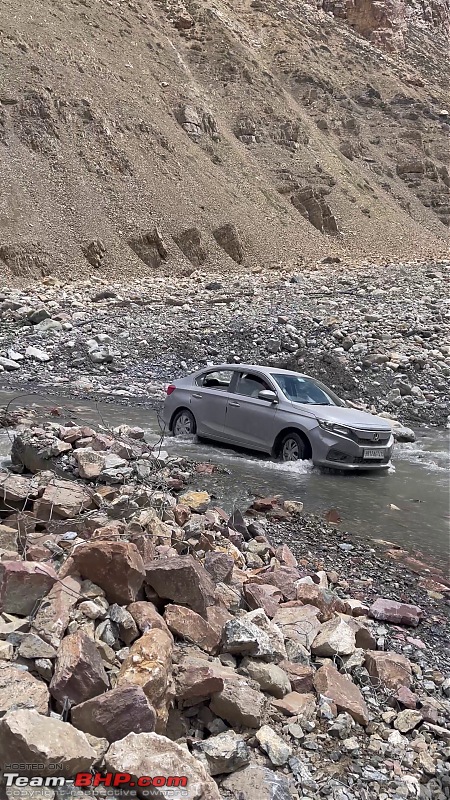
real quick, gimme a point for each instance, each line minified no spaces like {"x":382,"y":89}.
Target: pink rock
{"x":113,"y":715}
{"x":263,"y":596}
{"x":22,"y":584}
{"x":389,"y":669}
{"x":79,"y":674}
{"x":398,"y":613}
{"x":406,"y":697}
{"x":342,"y":691}
{"x":115,"y":566}
{"x":188,"y":625}
{"x":183,"y":580}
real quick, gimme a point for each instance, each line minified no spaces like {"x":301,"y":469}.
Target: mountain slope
{"x":131,"y":131}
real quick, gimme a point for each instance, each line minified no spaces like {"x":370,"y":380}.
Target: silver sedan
{"x":286,"y":414}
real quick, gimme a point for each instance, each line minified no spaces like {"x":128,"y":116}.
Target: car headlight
{"x":334,"y":427}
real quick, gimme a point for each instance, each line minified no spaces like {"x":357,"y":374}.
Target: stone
{"x":195,"y":501}
{"x":277,"y":649}
{"x":342,"y":691}
{"x":37,"y":354}
{"x":284,"y":578}
{"x":128,"y":630}
{"x":219,"y":565}
{"x":406,"y":697}
{"x":238,"y":704}
{"x":188,"y":625}
{"x":150,"y":754}
{"x":391,"y":670}
{"x":6,"y":651}
{"x":276,"y":748}
{"x":271,"y":678}
{"x":52,"y":618}
{"x":30,"y":738}
{"x":149,"y":665}
{"x":224,"y":753}
{"x":23,"y":584}
{"x":79,"y":673}
{"x":183,"y":580}
{"x":147,"y":616}
{"x":19,"y":689}
{"x":15,"y":489}
{"x":297,"y":705}
{"x":243,"y":637}
{"x":357,"y":608}
{"x":263,"y":596}
{"x":63,"y":500}
{"x":114,"y":714}
{"x":364,"y":638}
{"x":298,"y":622}
{"x":8,"y":538}
{"x":259,"y":782}
{"x":227,"y":237}
{"x":300,"y":676}
{"x":197,"y":678}
{"x":335,"y":638}
{"x":117,"y":567}
{"x":407,"y":720}
{"x":32,"y":646}
{"x":90,"y":463}
{"x":94,"y":609}
{"x":397,"y":613}
{"x":325,"y":600}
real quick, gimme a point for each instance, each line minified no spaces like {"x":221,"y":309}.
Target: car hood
{"x":345,"y":416}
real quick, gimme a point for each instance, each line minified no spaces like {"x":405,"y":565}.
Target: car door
{"x":208,"y":401}
{"x":249,"y":421}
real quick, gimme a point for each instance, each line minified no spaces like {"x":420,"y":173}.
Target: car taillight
{"x":170,"y":389}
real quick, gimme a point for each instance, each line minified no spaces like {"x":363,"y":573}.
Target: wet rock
{"x":297,"y":705}
{"x":30,"y":738}
{"x":53,"y":616}
{"x":23,"y":584}
{"x":151,"y":754}
{"x":238,"y":704}
{"x":79,"y":673}
{"x":115,"y":714}
{"x":334,"y":638}
{"x":149,"y":665}
{"x":259,"y":782}
{"x":271,"y":678}
{"x":19,"y":689}
{"x":187,"y":624}
{"x":342,"y":691}
{"x":224,"y":753}
{"x":388,"y":669}
{"x":115,"y":566}
{"x":276,"y":748}
{"x":183,"y":580}
{"x":398,"y":613}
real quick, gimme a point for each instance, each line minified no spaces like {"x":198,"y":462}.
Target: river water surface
{"x":409,"y":505}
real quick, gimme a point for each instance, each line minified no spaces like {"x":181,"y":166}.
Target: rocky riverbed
{"x":378,"y":334}
{"x":262,"y":654}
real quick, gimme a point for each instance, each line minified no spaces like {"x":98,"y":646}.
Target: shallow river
{"x":409,"y":505}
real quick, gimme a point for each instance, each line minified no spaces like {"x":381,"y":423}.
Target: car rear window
{"x":219,"y":379}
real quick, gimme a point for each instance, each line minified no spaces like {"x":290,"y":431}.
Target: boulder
{"x":29,"y":738}
{"x":271,"y":678}
{"x":128,"y":630}
{"x":342,"y":691}
{"x":276,"y":748}
{"x":79,"y":673}
{"x":147,"y":616}
{"x":195,"y":501}
{"x":63,"y":500}
{"x":23,"y":584}
{"x":391,"y":670}
{"x":219,"y":565}
{"x":297,"y":705}
{"x":188,"y":625}
{"x":259,"y":782}
{"x":238,"y":704}
{"x":397,"y":613}
{"x":326,"y":601}
{"x":115,"y":566}
{"x":263,"y":596}
{"x":149,"y":665}
{"x":113,"y":715}
{"x":284,"y":578}
{"x":90,"y":462}
{"x":224,"y":753}
{"x":198,"y":678}
{"x":53,"y":616}
{"x":300,"y":676}
{"x":227,"y":237}
{"x":298,"y":622}
{"x":8,"y":537}
{"x":335,"y":638}
{"x":19,"y":689}
{"x":183,"y":580}
{"x":407,"y":720}
{"x":151,"y":754}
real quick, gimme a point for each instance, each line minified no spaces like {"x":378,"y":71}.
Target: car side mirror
{"x":268,"y":395}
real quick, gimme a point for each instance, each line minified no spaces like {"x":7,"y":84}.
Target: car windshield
{"x":306,"y":390}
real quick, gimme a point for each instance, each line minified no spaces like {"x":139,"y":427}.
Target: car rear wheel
{"x":292,"y":448}
{"x":184,"y":423}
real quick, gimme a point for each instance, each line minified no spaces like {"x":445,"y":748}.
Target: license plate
{"x":375,"y":453}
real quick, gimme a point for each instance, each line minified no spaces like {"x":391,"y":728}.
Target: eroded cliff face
{"x":385,"y":23}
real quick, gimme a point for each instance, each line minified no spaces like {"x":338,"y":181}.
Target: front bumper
{"x":339,"y":452}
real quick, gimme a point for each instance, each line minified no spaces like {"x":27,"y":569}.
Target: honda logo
{"x":376,"y":437}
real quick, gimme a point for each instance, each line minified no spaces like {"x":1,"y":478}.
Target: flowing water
{"x":409,"y":505}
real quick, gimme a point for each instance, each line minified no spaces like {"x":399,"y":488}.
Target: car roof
{"x":264,"y":370}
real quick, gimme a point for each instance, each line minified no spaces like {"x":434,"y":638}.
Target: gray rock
{"x":224,"y":753}
{"x":255,"y":782}
{"x":276,"y":748}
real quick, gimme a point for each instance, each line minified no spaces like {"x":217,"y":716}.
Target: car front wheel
{"x":293,"y":448}
{"x":184,"y":423}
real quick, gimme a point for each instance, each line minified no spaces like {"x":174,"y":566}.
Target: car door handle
{"x":197,"y":396}
{"x":233,"y":403}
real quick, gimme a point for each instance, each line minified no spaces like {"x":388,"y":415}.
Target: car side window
{"x":250,"y":385}
{"x":219,"y":380}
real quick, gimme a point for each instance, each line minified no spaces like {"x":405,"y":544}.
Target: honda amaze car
{"x":286,"y":414}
